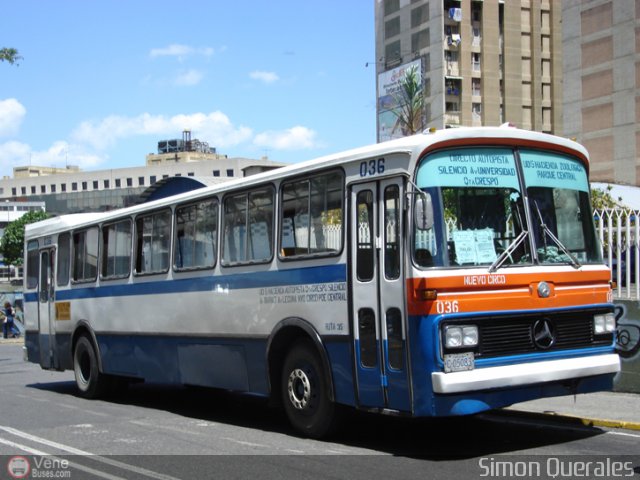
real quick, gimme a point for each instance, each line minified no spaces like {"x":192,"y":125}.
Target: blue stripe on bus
{"x":294,"y":276}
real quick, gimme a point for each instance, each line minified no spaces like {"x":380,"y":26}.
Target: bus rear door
{"x":378,"y":306}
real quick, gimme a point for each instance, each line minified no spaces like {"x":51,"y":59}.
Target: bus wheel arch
{"x":300,"y":377}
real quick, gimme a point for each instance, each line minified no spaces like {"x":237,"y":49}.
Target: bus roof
{"x":414,"y":145}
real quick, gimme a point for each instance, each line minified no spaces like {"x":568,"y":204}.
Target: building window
{"x":84,"y":186}
{"x":140,"y":181}
{"x":475,"y":87}
{"x":216,"y":173}
{"x":118,"y":183}
{"x":74,"y":186}
{"x":392,"y":27}
{"x":190,"y":174}
{"x":33,"y":190}
{"x":152,"y":179}
{"x":23,"y":190}
{"x":391,"y":6}
{"x":14,"y":191}
{"x":53,"y":188}
{"x":420,"y":40}
{"x":106,"y":183}
{"x":43,"y":189}
{"x":63,"y":187}
{"x":475,"y":62}
{"x":392,"y":53}
{"x":129,"y":182}
{"x":419,"y":16}
{"x":95,"y":185}
{"x":230,"y":172}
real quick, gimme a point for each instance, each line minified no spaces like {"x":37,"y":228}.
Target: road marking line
{"x":624,"y":434}
{"x":75,"y":465}
{"x":30,"y":450}
{"x":93,"y":456}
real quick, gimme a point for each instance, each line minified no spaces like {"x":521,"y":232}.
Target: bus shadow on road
{"x":428,"y":438}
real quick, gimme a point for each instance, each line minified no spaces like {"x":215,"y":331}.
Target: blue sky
{"x":102,"y":81}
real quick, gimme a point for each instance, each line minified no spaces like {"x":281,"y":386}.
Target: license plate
{"x":458,"y":362}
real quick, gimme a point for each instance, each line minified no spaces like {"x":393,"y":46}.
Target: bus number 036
{"x":372,"y":167}
{"x":447,"y":306}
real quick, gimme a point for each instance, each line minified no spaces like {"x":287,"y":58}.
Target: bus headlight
{"x":459,"y":336}
{"x":605,"y":323}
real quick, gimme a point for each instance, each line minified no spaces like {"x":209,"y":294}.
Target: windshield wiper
{"x":573,"y":261}
{"x":507,"y":253}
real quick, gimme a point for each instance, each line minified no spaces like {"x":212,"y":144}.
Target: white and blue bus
{"x":441,"y":274}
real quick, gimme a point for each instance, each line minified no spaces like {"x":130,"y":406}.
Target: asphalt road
{"x":165,"y":432}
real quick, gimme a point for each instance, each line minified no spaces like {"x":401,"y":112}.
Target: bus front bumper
{"x":524,"y":374}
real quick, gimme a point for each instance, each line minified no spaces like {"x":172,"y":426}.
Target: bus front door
{"x":46,"y":310}
{"x":378,"y":305}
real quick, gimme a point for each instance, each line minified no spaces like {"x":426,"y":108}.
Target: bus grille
{"x":501,"y":336}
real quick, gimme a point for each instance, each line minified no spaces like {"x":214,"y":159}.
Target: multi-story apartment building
{"x":601,"y":40}
{"x":481,"y":62}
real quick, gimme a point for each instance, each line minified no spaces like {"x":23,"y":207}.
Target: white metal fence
{"x":619,"y":232}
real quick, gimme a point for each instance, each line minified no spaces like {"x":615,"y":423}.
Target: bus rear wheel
{"x":305,"y":392}
{"x":91,"y":383}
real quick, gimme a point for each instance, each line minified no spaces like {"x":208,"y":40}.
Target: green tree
{"x":410,"y":101}
{"x":601,"y":199}
{"x":9,"y":55}
{"x":12,"y":243}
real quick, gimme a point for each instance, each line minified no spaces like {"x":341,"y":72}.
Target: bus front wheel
{"x":305,"y":392}
{"x":91,"y":383}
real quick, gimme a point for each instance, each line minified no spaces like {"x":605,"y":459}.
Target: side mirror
{"x":423,"y":211}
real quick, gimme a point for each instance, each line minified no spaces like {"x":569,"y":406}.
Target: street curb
{"x":575,"y":419}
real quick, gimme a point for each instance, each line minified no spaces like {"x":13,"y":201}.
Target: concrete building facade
{"x":481,"y":62}
{"x":601,"y":41}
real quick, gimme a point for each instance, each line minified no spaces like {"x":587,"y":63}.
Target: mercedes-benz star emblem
{"x":544,"y":334}
{"x":544,"y":289}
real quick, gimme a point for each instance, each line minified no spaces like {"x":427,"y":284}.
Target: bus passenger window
{"x":392,"y":232}
{"x":311,"y":222}
{"x":64,"y":259}
{"x":85,"y":255}
{"x":32,"y":264}
{"x":154,"y":239}
{"x":367,"y":333}
{"x":196,"y":233}
{"x":116,"y":250}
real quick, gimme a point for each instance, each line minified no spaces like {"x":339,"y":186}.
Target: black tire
{"x":91,"y":383}
{"x":305,"y":392}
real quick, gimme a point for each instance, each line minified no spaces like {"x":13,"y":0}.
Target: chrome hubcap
{"x":299,"y":388}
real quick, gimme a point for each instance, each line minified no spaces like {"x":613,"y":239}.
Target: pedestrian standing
{"x":9,"y":327}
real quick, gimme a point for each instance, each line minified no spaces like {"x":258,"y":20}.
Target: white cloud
{"x":60,"y":153}
{"x":180,"y":51}
{"x":295,"y":138}
{"x":214,"y":128}
{"x":12,"y":112}
{"x":189,"y":78}
{"x":266,"y":77}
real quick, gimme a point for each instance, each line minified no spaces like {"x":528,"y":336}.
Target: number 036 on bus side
{"x":445,"y":273}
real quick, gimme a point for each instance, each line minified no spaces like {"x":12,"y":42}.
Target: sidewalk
{"x":601,"y":409}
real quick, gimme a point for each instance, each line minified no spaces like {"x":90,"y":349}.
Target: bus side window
{"x":33,"y":261}
{"x":64,"y":259}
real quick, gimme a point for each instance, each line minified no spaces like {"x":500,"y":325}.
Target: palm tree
{"x":9,"y":55}
{"x":410,"y":101}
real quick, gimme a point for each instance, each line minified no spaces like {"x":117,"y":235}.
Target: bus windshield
{"x":479,"y":206}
